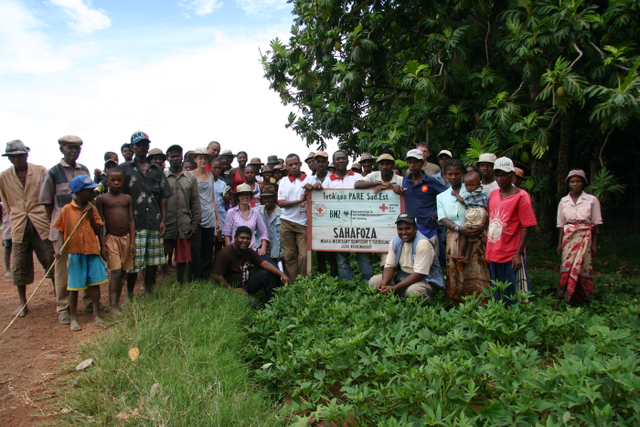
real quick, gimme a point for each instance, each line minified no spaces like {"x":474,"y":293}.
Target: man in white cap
{"x":19,"y":190}
{"x":485,"y":166}
{"x":420,"y":191}
{"x":54,"y":194}
{"x":510,"y":219}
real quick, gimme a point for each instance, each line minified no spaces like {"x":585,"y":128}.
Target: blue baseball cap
{"x":139,"y":136}
{"x":81,"y":182}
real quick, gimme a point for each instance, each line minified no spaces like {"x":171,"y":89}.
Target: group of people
{"x":244,"y":226}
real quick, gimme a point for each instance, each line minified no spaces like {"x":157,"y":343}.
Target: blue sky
{"x":184,"y":71}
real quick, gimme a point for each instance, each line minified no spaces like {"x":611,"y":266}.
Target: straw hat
{"x":244,"y":188}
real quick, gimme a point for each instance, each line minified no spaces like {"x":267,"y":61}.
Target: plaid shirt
{"x":146,"y":190}
{"x":476,"y":199}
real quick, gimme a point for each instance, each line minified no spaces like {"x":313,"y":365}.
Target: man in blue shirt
{"x":420,"y":193}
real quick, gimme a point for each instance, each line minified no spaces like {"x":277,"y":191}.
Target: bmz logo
{"x":320,"y":210}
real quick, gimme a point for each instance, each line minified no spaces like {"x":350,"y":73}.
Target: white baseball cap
{"x":415,"y":154}
{"x":503,"y":164}
{"x":487,"y":158}
{"x":447,"y":152}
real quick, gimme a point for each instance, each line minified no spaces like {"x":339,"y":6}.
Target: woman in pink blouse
{"x":579,"y":216}
{"x":244,"y":214}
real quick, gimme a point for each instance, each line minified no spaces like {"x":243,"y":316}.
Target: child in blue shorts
{"x":86,"y":269}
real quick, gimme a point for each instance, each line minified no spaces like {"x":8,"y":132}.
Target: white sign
{"x":352,"y":220}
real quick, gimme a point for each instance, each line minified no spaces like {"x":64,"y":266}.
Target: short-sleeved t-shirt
{"x":507,"y":218}
{"x":234,"y":266}
{"x":421,"y":261}
{"x":488,"y":188}
{"x":290,"y":189}
{"x":431,"y":169}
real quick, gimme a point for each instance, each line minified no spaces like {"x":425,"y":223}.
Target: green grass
{"x":189,"y":341}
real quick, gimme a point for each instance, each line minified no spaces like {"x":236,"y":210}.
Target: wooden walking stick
{"x":45,"y":275}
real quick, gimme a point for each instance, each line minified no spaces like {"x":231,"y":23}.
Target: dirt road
{"x":35,"y":353}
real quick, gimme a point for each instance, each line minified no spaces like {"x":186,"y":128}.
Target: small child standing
{"x":476,"y":202}
{"x":86,"y":269}
{"x":119,"y":247}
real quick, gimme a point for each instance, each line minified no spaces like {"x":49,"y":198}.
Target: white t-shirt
{"x":377,"y":177}
{"x":349,"y":180}
{"x":488,"y":188}
{"x":423,"y":258}
{"x":292,"y":190}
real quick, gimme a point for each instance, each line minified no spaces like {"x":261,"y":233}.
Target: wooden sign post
{"x":340,"y":220}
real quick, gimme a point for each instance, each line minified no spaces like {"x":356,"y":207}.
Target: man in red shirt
{"x":510,"y":219}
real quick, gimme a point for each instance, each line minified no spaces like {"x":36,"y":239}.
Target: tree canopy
{"x":551,"y":84}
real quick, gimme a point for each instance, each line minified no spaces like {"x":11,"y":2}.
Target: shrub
{"x":346,"y":354}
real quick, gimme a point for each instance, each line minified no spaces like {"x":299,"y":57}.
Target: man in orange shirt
{"x":86,"y":269}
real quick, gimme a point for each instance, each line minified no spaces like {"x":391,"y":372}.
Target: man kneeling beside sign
{"x":365,"y":221}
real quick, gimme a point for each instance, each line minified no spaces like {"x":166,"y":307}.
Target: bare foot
{"x":23,"y":310}
{"x":75,"y":327}
{"x":97,"y":320}
{"x":114,"y":311}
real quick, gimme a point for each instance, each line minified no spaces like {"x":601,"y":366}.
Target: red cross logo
{"x":384,"y":207}
{"x":320,"y":210}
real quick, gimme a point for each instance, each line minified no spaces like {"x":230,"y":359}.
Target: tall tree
{"x":523,"y":78}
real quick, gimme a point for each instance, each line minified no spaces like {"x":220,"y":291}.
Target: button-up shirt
{"x":254,"y":222}
{"x":84,"y":240}
{"x":450,"y":208}
{"x":586,"y":209}
{"x":183,"y":208}
{"x":22,"y":201}
{"x":146,"y":190}
{"x":55,"y":189}
{"x":420,"y":201}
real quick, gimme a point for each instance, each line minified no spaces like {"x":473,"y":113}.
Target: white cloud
{"x":201,"y":7}
{"x":261,"y":6}
{"x":189,"y":96}
{"x":84,"y":19}
{"x":24,"y":48}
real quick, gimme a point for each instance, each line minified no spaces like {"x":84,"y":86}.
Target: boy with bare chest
{"x":116,"y":209}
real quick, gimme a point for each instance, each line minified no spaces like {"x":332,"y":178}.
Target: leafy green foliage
{"x":519,"y":76}
{"x":604,"y":184}
{"x":346,"y":354}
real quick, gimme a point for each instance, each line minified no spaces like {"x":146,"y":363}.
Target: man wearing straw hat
{"x":19,"y":190}
{"x":54,"y":194}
